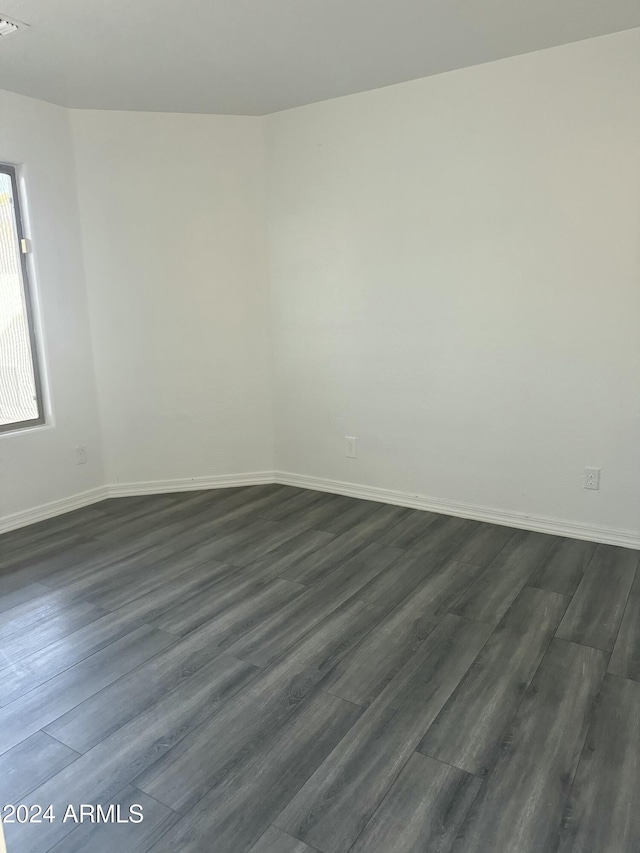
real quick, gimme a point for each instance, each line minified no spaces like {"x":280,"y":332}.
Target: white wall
{"x":39,"y":465}
{"x":450,"y":272}
{"x":172,"y":210}
{"x":455,"y":269}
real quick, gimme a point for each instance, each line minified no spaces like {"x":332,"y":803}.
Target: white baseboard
{"x":123,"y":490}
{"x":190,"y":484}
{"x":49,"y":510}
{"x":540,"y":524}
{"x":506,"y":518}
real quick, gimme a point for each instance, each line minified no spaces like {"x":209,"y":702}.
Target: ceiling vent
{"x":7,"y":27}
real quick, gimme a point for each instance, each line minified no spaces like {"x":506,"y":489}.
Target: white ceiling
{"x":259,"y":56}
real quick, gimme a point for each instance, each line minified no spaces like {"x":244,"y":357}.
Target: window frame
{"x":11,"y":171}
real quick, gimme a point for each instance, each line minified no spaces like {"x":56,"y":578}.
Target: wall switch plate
{"x":592,"y":478}
{"x":81,"y":454}
{"x":351,"y":446}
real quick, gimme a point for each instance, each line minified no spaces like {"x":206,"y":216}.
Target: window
{"x":20,"y":392}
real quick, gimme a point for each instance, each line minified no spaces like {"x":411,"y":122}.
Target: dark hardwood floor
{"x":275,"y":670}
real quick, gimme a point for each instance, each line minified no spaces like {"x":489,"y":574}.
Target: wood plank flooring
{"x":273,"y":670}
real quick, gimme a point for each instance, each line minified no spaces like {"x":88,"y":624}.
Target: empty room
{"x":319,"y":426}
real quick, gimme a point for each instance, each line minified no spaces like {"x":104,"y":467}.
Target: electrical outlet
{"x":81,"y":454}
{"x":592,"y":478}
{"x":351,"y":446}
